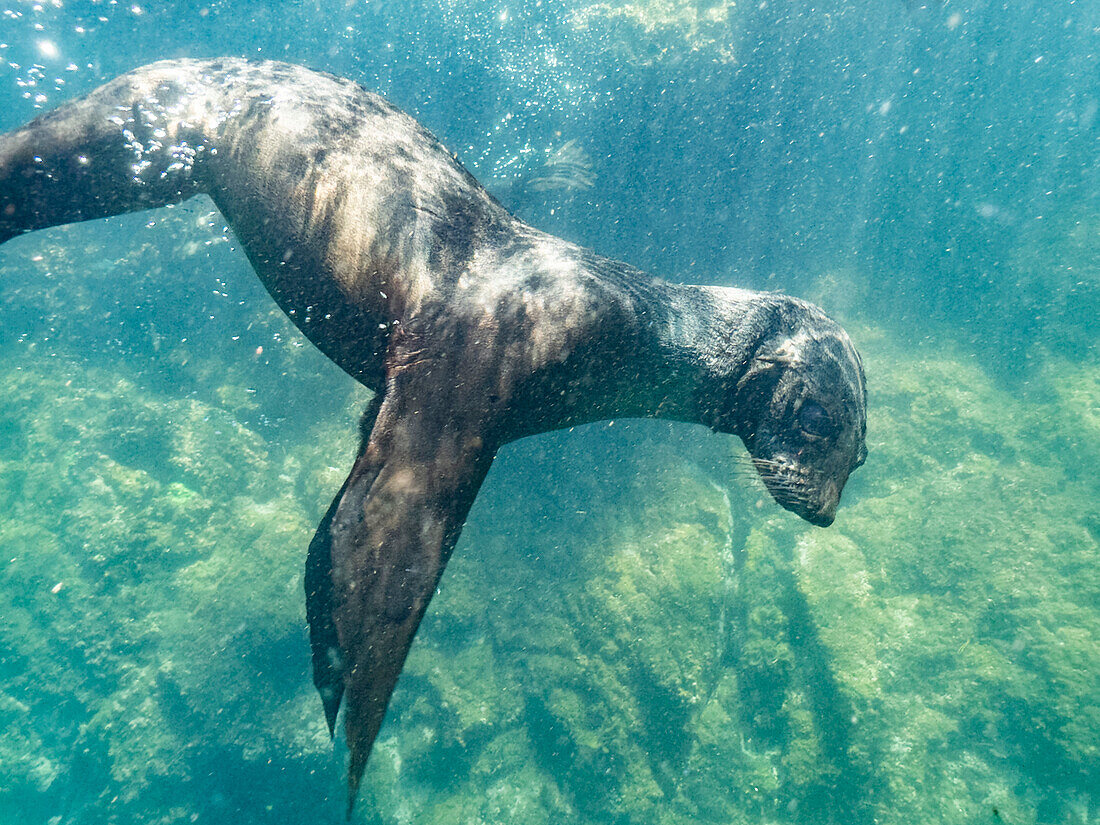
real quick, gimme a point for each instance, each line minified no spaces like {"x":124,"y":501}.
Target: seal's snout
{"x":808,"y":495}
{"x":818,"y":513}
{"x":827,"y":502}
{"x":823,"y":517}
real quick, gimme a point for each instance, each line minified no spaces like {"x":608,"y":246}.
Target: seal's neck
{"x":702,"y":337}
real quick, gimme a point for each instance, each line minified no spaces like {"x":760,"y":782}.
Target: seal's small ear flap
{"x":752,"y":394}
{"x":786,"y":354}
{"x":775,"y":359}
{"x":764,"y":364}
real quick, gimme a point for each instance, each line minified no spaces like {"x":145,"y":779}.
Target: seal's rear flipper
{"x":122,"y":148}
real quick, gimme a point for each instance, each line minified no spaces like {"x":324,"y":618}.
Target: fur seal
{"x":472,"y":328}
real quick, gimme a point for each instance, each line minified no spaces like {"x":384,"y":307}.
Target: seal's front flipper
{"x":328,"y":671}
{"x":391,"y":536}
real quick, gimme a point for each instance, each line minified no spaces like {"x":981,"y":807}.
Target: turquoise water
{"x":630,"y":630}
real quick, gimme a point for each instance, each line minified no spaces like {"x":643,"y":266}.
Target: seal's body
{"x":472,"y":328}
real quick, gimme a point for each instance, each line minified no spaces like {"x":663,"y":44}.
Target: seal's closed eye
{"x":814,"y":421}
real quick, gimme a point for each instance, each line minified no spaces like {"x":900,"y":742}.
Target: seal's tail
{"x":125,"y":147}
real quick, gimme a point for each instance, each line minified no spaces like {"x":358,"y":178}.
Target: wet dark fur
{"x":472,"y":328}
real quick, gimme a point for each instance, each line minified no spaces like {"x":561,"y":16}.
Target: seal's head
{"x":799,"y":404}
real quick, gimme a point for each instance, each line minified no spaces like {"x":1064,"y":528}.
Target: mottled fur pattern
{"x":473,"y":328}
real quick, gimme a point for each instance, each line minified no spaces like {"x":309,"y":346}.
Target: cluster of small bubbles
{"x":47,"y":36}
{"x":152,"y":119}
{"x":511,"y":165}
{"x":560,"y":91}
{"x":28,"y":50}
{"x":29,"y":82}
